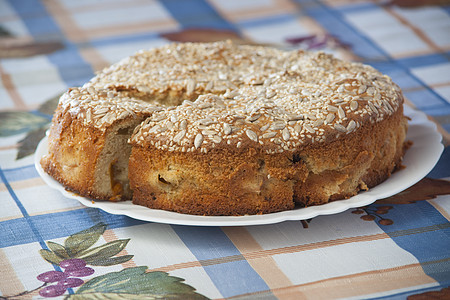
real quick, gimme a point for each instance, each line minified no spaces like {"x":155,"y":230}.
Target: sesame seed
{"x":253,"y":118}
{"x":227,"y":128}
{"x":89,"y":115}
{"x":278,"y":125}
{"x":270,"y":94}
{"x":351,"y":126}
{"x":340,"y":128}
{"x":251,"y":135}
{"x":206,"y":122}
{"x":311,"y":116}
{"x":158,"y":118}
{"x":101,"y":110}
{"x":183,"y":125}
{"x":362,"y":89}
{"x":190,"y":86}
{"x":205,"y":106}
{"x":209,"y":132}
{"x":265,"y":127}
{"x":295,"y":117}
{"x":318,"y":122}
{"x":277,"y":141}
{"x":309,"y":128}
{"x":231,"y":94}
{"x":198,"y":140}
{"x":286,"y":135}
{"x":210,"y":85}
{"x":341,"y":112}
{"x":330,"y":118}
{"x":216,"y":139}
{"x":269,"y":135}
{"x":180,"y":135}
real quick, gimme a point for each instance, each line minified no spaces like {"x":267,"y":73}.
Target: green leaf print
{"x":15,"y":122}
{"x":104,"y":251}
{"x":136,"y":281}
{"x":50,"y":256}
{"x":129,"y":283}
{"x":58,"y":249}
{"x":111,"y":260}
{"x":121,"y":296}
{"x":29,"y":143}
{"x":84,"y":239}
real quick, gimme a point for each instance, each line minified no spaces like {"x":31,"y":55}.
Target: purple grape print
{"x":52,"y":291}
{"x":51,"y":276}
{"x":71,"y":282}
{"x":73,"y":264}
{"x":86,"y":271}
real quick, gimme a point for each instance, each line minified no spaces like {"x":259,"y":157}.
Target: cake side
{"x":236,"y":181}
{"x":225,"y":181}
{"x":362,"y":160}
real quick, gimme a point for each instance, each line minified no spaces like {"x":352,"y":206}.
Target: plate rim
{"x":418,"y":119}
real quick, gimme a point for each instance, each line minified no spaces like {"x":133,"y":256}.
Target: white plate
{"x":419,"y":160}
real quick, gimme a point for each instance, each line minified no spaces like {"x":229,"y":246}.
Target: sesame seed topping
{"x":194,"y":96}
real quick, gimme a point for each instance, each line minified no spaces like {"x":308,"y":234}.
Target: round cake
{"x":228,"y":129}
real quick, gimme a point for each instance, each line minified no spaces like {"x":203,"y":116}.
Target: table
{"x":395,"y":248}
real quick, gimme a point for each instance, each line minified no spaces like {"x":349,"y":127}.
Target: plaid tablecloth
{"x":394,"y":248}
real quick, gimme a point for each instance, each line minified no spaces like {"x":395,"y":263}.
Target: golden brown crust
{"x":226,"y":129}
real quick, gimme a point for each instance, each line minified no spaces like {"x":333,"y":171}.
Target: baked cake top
{"x":203,"y":96}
